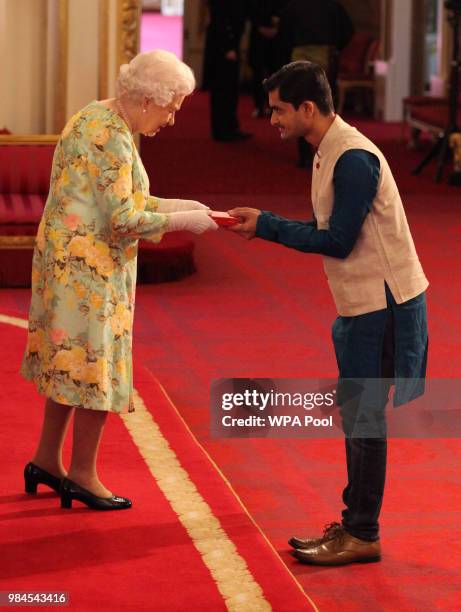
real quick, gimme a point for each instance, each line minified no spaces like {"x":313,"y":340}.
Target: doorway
{"x":162,"y":26}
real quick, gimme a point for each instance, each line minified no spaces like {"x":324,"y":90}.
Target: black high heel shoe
{"x":34,"y":475}
{"x":71,"y":490}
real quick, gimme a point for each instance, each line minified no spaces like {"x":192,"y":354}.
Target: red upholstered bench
{"x":427,"y":114}
{"x":25,"y":168}
{"x":434,"y":117}
{"x":25,"y":163}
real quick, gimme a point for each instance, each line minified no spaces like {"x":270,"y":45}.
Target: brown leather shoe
{"x":330,"y":531}
{"x":341,"y":550}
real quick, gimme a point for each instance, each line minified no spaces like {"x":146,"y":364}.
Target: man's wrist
{"x":263,"y":229}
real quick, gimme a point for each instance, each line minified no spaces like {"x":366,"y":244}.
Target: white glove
{"x":196,"y":221}
{"x":172,"y":205}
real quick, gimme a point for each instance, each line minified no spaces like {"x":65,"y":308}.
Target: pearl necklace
{"x":123,"y":113}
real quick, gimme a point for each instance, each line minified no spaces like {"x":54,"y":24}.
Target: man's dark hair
{"x":301,"y":81}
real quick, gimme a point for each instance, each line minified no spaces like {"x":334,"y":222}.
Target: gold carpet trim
{"x":14,"y":321}
{"x":237,"y":497}
{"x":234,"y":581}
{"x":240,"y":591}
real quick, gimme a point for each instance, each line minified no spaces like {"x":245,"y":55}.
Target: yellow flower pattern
{"x":84,"y":268}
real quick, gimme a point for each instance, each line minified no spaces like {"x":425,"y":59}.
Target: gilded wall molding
{"x":103,"y":67}
{"x":128,"y":27}
{"x":62,"y":65}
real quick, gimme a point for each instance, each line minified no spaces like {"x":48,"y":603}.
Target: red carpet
{"x":121,"y":560}
{"x":257,"y":309}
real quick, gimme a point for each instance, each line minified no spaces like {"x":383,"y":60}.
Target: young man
{"x":377,"y":283}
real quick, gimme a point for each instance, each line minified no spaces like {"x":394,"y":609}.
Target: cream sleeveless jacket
{"x":384,"y":251}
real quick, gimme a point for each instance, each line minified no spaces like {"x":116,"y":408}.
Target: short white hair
{"x":158,"y":75}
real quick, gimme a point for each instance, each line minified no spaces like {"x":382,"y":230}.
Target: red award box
{"x":224,"y":219}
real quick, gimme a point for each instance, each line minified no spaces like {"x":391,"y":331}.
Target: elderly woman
{"x":84,"y":270}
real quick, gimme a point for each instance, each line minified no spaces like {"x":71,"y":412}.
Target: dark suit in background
{"x":221,"y":73}
{"x":316,"y":31}
{"x":263,"y":47}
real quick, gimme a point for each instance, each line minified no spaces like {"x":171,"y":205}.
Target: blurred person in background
{"x":221,"y":72}
{"x":263,"y":47}
{"x":316,"y":32}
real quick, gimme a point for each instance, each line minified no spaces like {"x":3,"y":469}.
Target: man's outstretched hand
{"x":249,"y":217}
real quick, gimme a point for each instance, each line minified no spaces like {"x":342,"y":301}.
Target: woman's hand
{"x":195,"y":221}
{"x":173,"y":205}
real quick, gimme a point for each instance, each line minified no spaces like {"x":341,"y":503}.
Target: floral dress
{"x":84,"y":266}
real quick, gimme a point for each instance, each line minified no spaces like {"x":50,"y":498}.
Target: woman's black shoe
{"x":33,"y":476}
{"x":71,"y":490}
